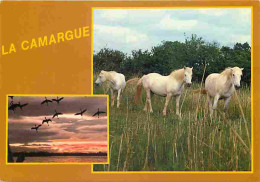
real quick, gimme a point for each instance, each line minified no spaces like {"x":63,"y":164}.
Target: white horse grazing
{"x":166,"y":86}
{"x":222,"y":86}
{"x":117,"y":81}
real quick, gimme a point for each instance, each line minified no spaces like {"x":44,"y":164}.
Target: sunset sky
{"x":69,"y":133}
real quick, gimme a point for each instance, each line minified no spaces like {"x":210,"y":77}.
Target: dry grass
{"x":149,"y":141}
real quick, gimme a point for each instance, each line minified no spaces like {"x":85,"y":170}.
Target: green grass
{"x":141,"y":141}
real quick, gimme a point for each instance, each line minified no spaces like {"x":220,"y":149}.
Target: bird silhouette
{"x":46,"y":121}
{"x":36,"y":127}
{"x":13,"y":106}
{"x":46,"y":101}
{"x":56,"y":114}
{"x":58,"y":100}
{"x":98,"y":113}
{"x":22,"y":105}
{"x":81,"y":112}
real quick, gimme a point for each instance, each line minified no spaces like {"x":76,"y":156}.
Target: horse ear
{"x":191,"y":67}
{"x":241,"y":69}
{"x":184,"y":67}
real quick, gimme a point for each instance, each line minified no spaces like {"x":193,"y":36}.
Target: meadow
{"x":142,"y":141}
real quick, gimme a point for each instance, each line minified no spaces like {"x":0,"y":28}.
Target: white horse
{"x":222,"y":86}
{"x":166,"y":86}
{"x":117,"y":83}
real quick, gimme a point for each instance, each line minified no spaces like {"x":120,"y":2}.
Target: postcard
{"x":129,"y":90}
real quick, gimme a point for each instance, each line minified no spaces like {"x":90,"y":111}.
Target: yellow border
{"x":181,"y":172}
{"x":252,"y":94}
{"x":52,"y":95}
{"x":92,"y":53}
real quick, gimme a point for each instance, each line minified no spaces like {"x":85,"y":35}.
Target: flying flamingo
{"x":58,"y":100}
{"x":99,"y":112}
{"x":13,"y":106}
{"x":81,"y":112}
{"x":46,"y":101}
{"x":22,"y":105}
{"x":56,"y":114}
{"x":36,"y":127}
{"x":46,"y":121}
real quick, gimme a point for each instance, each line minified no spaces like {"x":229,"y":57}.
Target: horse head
{"x":236,"y":76}
{"x":101,"y":78}
{"x":187,"y":75}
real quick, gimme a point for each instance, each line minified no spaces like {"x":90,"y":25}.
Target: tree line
{"x":171,"y":55}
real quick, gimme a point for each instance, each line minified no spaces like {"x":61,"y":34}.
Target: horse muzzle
{"x":99,"y":84}
{"x":188,"y":84}
{"x":237,"y":87}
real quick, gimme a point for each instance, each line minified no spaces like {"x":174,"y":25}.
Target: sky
{"x":133,"y":29}
{"x":69,"y":133}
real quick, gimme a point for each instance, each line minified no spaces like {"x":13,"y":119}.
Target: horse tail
{"x":138,"y":91}
{"x":202,"y":91}
{"x":131,"y":80}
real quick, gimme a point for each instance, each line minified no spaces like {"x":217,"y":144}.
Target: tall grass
{"x":141,"y":141}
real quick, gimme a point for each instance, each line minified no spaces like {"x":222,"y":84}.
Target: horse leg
{"x":178,"y":105}
{"x":148,"y":94}
{"x":210,"y":104}
{"x":118,"y":98}
{"x":146,"y":102}
{"x":168,"y":98}
{"x":226,"y":103}
{"x":112,"y":97}
{"x":215,"y":104}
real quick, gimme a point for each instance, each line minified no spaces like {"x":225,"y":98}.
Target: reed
{"x":141,"y":141}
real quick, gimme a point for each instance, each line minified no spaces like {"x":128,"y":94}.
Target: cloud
{"x":214,"y":12}
{"x":243,"y":16}
{"x":113,"y":15}
{"x":79,"y":147}
{"x":240,"y":38}
{"x":122,"y":34}
{"x":118,"y":37}
{"x":169,"y":23}
{"x":144,"y":28}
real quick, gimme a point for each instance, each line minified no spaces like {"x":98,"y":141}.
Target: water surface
{"x":67,"y":159}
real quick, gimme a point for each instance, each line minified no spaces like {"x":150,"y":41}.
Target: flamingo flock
{"x":12,"y":106}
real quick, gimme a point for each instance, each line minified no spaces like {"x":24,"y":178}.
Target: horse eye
{"x":233,"y":74}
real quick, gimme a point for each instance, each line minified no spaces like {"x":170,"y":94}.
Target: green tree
{"x":108,"y":59}
{"x":198,"y":54}
{"x":168,"y":56}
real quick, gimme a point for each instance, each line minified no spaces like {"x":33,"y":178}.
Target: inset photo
{"x":57,"y":129}
{"x":179,"y":81}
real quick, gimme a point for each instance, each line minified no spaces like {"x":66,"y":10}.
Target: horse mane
{"x":112,"y":72}
{"x":178,"y":74}
{"x":132,"y":80}
{"x":108,"y":74}
{"x":226,"y":72}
